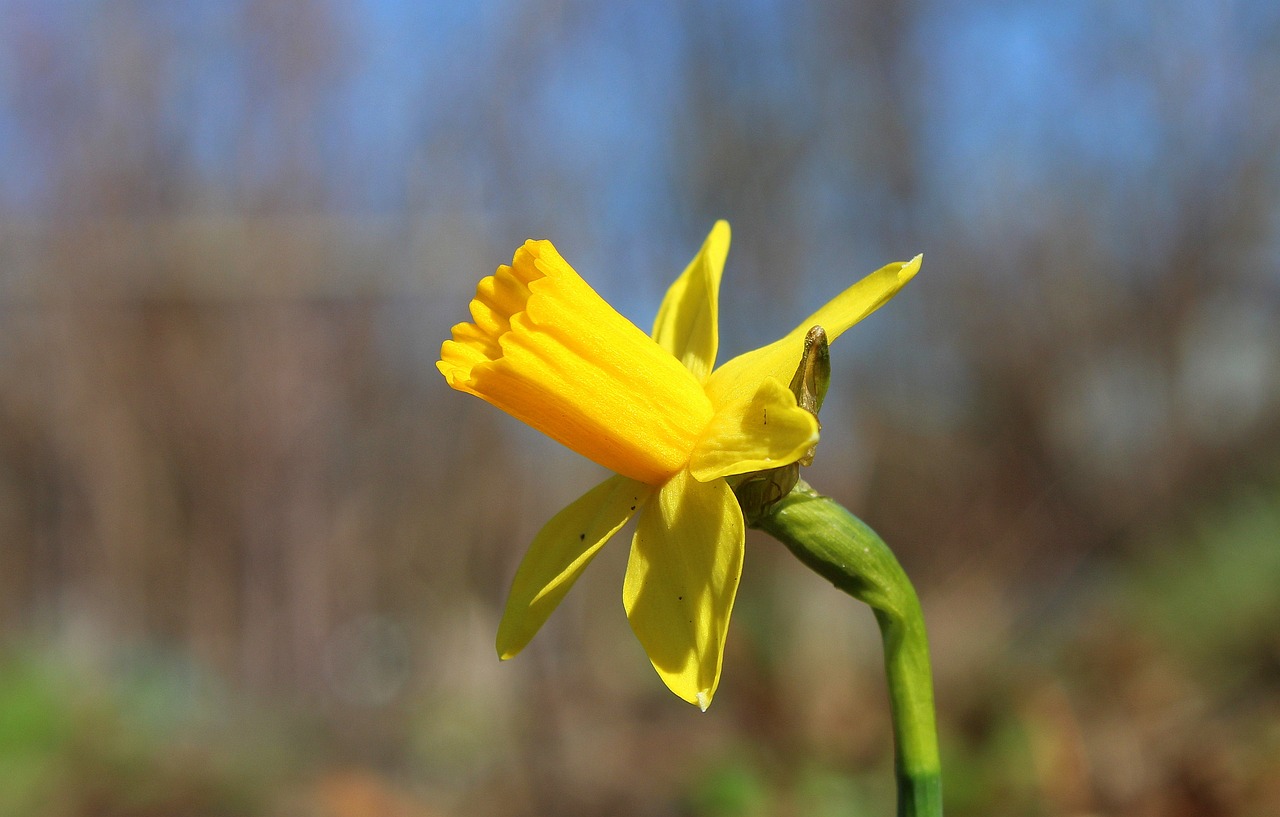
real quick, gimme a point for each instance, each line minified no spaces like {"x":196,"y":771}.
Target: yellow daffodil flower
{"x":545,"y":348}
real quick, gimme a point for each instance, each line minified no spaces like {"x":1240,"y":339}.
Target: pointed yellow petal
{"x":739,"y":377}
{"x":686,"y":560}
{"x":559,"y":554}
{"x":767,"y":430}
{"x":546,"y":349}
{"x":686,"y":325}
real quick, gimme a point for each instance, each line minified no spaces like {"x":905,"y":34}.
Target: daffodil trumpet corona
{"x":678,"y":433}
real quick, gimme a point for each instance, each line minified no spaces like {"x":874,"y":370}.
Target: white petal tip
{"x":704,"y":701}
{"x":910,"y":268}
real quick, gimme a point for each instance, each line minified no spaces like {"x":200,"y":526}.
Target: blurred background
{"x":253,"y":551}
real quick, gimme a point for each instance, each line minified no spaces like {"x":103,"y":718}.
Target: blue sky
{"x":470,"y":106}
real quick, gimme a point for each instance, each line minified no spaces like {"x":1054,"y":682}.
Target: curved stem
{"x":841,"y":548}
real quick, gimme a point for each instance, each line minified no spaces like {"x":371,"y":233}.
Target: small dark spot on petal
{"x":679,"y":598}
{"x":582,"y":537}
{"x":633,"y":507}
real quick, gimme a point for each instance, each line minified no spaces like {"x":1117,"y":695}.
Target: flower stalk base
{"x":841,"y":548}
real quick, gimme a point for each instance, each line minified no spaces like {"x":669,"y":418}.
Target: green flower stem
{"x":839,"y":547}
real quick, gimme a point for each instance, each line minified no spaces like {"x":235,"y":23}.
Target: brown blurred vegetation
{"x":254,"y":552}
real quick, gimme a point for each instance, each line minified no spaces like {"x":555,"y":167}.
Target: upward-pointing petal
{"x":739,"y":378}
{"x":686,"y":325}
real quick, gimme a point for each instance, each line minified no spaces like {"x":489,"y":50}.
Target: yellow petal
{"x":686,"y":560}
{"x":559,"y":554}
{"x":767,"y":430}
{"x":739,"y":377}
{"x":546,"y":349}
{"x":686,"y":325}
